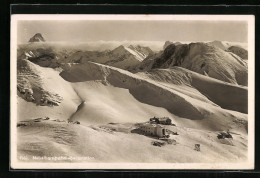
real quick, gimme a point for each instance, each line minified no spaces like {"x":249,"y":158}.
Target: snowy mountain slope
{"x":124,"y":57}
{"x":128,"y":57}
{"x":237,"y":44}
{"x":110,"y":143}
{"x":224,"y":45}
{"x":149,"y":92}
{"x":52,"y":95}
{"x":203,"y":59}
{"x":226,"y":95}
{"x":106,"y":103}
{"x":219,"y":44}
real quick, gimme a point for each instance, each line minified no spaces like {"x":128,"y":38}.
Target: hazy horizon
{"x":109,"y":31}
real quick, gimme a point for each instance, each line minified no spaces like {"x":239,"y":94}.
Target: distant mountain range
{"x":215,"y":59}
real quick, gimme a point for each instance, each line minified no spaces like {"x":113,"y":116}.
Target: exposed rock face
{"x":239,"y":51}
{"x":44,"y":57}
{"x":25,"y":93}
{"x":167,"y":43}
{"x":172,"y":56}
{"x":141,"y":50}
{"x":50,"y":99}
{"x":37,"y":38}
{"x":31,"y":87}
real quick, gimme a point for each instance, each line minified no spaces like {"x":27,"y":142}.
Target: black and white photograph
{"x":132,"y":92}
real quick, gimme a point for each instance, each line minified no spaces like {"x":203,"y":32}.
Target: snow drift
{"x":112,"y":80}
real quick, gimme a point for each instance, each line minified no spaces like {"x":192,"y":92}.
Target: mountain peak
{"x":142,"y":51}
{"x":218,"y":44}
{"x":120,"y":48}
{"x":167,"y":43}
{"x":37,"y":38}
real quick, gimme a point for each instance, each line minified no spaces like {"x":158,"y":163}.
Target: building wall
{"x":159,"y":131}
{"x":155,"y":131}
{"x":148,"y":130}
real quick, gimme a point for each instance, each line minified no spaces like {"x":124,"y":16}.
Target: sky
{"x":87,"y":30}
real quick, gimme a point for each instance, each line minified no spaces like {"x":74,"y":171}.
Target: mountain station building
{"x":153,"y":130}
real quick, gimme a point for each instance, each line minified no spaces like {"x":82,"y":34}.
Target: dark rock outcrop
{"x":167,"y":43}
{"x":239,"y":51}
{"x":37,"y":38}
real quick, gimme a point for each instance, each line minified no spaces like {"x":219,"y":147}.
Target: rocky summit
{"x":37,"y":38}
